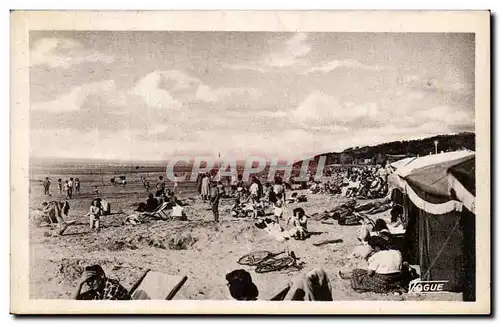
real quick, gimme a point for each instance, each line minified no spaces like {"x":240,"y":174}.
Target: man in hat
{"x":98,"y":287}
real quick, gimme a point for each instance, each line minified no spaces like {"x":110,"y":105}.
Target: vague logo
{"x":426,"y":286}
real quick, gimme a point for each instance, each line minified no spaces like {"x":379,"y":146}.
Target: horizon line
{"x":295,"y":159}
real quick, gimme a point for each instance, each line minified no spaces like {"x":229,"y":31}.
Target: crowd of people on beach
{"x":70,"y":187}
{"x":266,"y":204}
{"x":368,"y":182}
{"x":386,"y":272}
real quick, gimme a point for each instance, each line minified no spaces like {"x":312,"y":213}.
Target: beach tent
{"x":440,"y":232}
{"x":394,"y":181}
{"x":427,"y":160}
{"x":462,"y":182}
{"x":462,"y":179}
{"x":400,"y":163}
{"x":404,"y":167}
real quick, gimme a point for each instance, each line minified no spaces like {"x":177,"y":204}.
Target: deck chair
{"x":280,"y":294}
{"x":314,"y":286}
{"x":155,"y":285}
{"x":163,"y":211}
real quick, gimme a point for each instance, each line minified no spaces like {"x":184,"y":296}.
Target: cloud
{"x":171,"y":89}
{"x":290,"y":53}
{"x":294,"y":48}
{"x":64,"y":52}
{"x":337,"y":64}
{"x":74,"y":100}
{"x":446,"y":116}
{"x":442,"y":85}
{"x":99,"y":144}
{"x":319,"y":109}
{"x":253,"y":67}
{"x":207,"y":94}
{"x":150,"y":89}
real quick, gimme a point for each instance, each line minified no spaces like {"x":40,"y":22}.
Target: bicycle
{"x":266,"y":261}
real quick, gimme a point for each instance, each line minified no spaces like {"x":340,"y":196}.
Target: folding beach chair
{"x":280,"y":295}
{"x":161,"y":212}
{"x":155,"y":285}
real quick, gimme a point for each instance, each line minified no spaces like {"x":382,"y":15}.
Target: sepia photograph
{"x":195,"y":164}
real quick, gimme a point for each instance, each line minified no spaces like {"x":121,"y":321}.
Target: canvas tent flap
{"x":394,"y":181}
{"x":433,"y":179}
{"x":435,"y":239}
{"x":440,"y":249}
{"x":462,"y":194}
{"x":430,"y":160}
{"x":400,"y":163}
{"x":465,"y":173}
{"x":432,"y":208}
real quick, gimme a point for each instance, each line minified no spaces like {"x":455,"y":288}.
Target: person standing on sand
{"x":176,"y":182}
{"x":77,"y":186}
{"x":60,"y":185}
{"x":234,"y":184}
{"x":95,"y":213}
{"x":71,"y":185}
{"x":214,"y":200}
{"x":199,"y":178}
{"x":46,"y":186}
{"x":66,"y":189}
{"x":205,"y":190}
{"x":160,"y":186}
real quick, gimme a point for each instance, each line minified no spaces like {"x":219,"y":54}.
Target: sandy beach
{"x":125,"y":251}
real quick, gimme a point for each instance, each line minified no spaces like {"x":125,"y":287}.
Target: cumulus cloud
{"x":149,"y":88}
{"x":63,"y":52}
{"x":322,"y":109}
{"x":442,"y":84}
{"x":74,"y":100}
{"x":171,"y":89}
{"x":337,"y":64}
{"x":294,"y":48}
{"x":290,"y":53}
{"x":447,"y":116}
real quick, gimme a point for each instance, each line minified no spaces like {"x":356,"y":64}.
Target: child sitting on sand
{"x":237,"y":210}
{"x":177,"y":210}
{"x":299,"y":222}
{"x":278,"y":210}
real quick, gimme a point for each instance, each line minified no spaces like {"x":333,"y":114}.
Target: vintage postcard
{"x":304,"y":162}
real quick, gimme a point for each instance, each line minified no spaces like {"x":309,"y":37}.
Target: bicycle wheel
{"x":254,"y":258}
{"x":275,"y":264}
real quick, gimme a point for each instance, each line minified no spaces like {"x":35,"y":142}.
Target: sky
{"x":134,"y":95}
